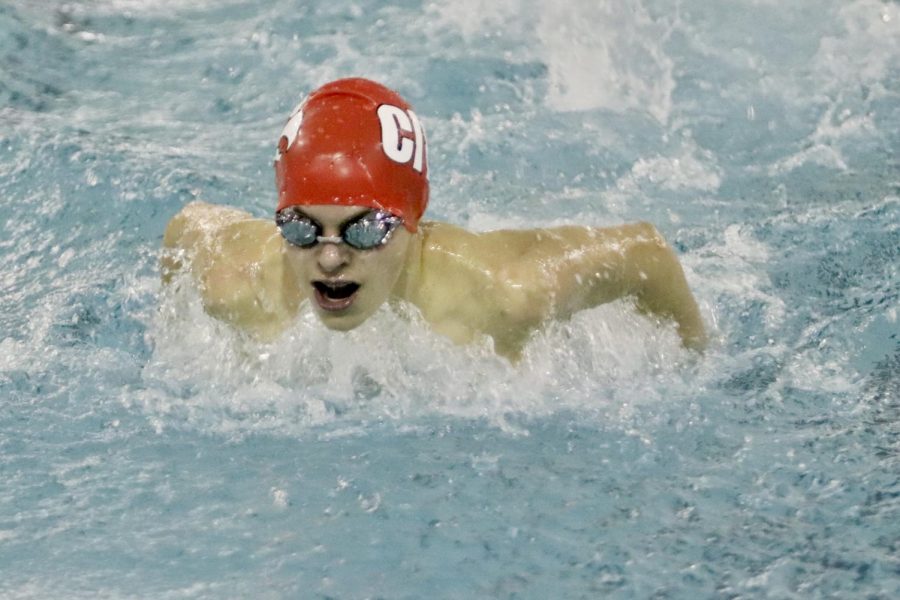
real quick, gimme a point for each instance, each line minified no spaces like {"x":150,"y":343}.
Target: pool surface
{"x":148,"y":451}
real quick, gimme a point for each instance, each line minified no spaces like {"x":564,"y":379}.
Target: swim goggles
{"x":365,"y":232}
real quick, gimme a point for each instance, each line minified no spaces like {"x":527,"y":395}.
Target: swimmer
{"x":352,"y":177}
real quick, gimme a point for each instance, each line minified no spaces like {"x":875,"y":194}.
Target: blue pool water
{"x":146,"y":451}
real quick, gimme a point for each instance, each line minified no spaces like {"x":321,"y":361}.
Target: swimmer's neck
{"x":407,"y":283}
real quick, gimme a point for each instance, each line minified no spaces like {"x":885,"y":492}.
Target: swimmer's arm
{"x":563,"y":270}
{"x":660,"y":287}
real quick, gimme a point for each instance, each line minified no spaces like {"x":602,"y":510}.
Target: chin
{"x":341,"y":322}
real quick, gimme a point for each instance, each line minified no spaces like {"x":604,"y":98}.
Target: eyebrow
{"x":343,"y":224}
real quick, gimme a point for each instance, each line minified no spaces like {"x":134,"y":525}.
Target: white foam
{"x":159,"y":7}
{"x":688,"y":168}
{"x":606,"y":55}
{"x":866,"y":51}
{"x":731,"y":268}
{"x":600,"y":55}
{"x":823,"y":146}
{"x":14,"y":355}
{"x":474,"y":17}
{"x":818,"y":154}
{"x":204,"y":374}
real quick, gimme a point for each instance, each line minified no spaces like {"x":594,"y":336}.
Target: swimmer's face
{"x":345,"y":285}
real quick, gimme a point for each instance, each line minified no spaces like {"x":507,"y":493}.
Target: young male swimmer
{"x":352,"y":178}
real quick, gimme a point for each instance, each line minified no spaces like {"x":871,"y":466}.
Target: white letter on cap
{"x":394,"y":122}
{"x":420,"y":142}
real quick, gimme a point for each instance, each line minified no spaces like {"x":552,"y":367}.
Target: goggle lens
{"x":299,"y":232}
{"x":368,"y":232}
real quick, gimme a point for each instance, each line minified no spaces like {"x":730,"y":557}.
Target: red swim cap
{"x":354,"y":142}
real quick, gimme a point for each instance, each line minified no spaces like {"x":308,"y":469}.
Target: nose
{"x":331,"y":257}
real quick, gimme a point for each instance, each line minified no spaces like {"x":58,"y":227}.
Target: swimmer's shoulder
{"x":234,"y":259}
{"x":452,"y":239}
{"x":468,"y":284}
{"x":450,"y":249}
{"x":438,"y":232}
{"x":201,"y":222}
{"x":488,"y":252}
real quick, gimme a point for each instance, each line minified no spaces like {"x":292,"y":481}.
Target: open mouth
{"x":335,"y":295}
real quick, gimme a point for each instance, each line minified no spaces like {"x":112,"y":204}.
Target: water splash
{"x":393,"y":367}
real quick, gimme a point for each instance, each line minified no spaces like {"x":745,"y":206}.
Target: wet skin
{"x":502,"y":284}
{"x":346,"y":285}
